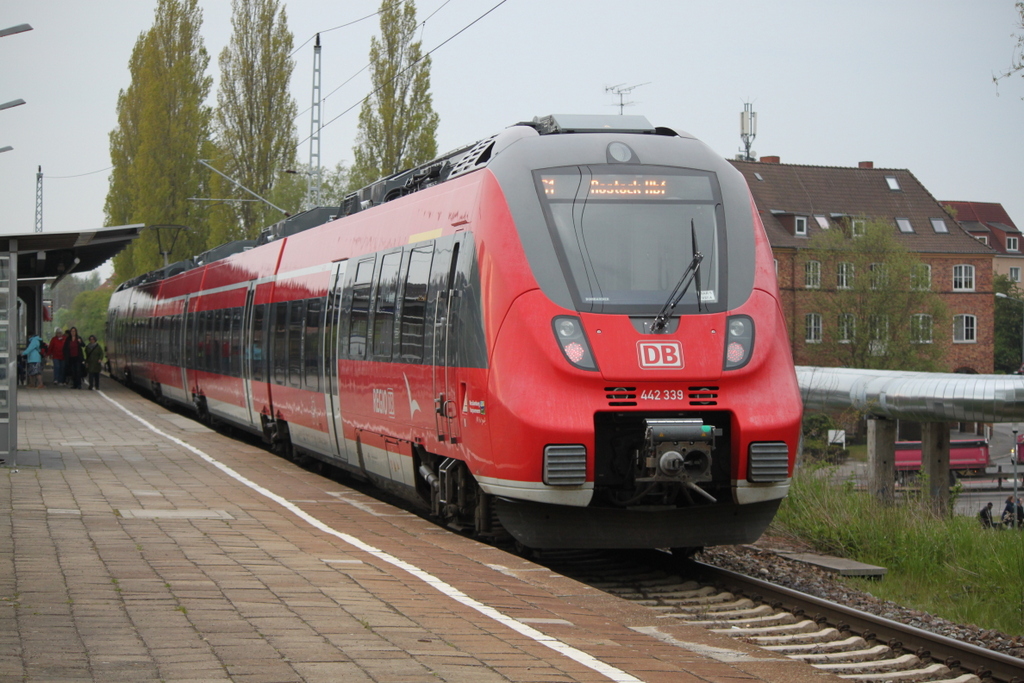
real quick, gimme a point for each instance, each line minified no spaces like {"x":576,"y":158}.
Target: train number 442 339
{"x":662,"y":395}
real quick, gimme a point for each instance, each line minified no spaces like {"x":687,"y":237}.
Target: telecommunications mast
{"x":748,"y":131}
{"x":313,"y":180}
{"x":621,"y":90}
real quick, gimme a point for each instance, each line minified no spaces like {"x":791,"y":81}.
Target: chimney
{"x":771,"y":160}
{"x":866,"y":164}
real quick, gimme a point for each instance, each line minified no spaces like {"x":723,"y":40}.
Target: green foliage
{"x":1009,"y":325}
{"x":88,"y":313}
{"x":63,"y":295}
{"x":397,"y":123}
{"x":951,"y":567}
{"x":162,"y":124}
{"x":255,"y":119}
{"x":871,"y":321}
{"x":816,"y":448}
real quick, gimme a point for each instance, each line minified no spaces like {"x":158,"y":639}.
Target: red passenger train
{"x":569,"y":332}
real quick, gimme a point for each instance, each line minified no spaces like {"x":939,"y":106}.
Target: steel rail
{"x":973,"y":658}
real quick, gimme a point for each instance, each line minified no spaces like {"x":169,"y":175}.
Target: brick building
{"x":989,"y":223}
{"x":796,"y":202}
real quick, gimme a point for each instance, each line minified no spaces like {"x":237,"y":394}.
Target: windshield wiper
{"x":691,"y":273}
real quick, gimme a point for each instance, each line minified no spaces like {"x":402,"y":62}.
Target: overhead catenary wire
{"x":425,"y":55}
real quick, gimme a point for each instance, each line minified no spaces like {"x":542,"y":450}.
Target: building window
{"x":1011,"y":244}
{"x":800,"y":225}
{"x":982,"y":238}
{"x":939,"y":225}
{"x":965,"y":329}
{"x":776,"y":267}
{"x":812,"y":325}
{"x":822,"y":222}
{"x":847,"y":326}
{"x":904,"y":225}
{"x":921,"y":277}
{"x":812,"y":274}
{"x":878,"y":329}
{"x":858,"y":227}
{"x":844,"y":275}
{"x":879,"y":276}
{"x":1015,"y":274}
{"x":893,"y":182}
{"x":921,"y":328}
{"x":963,"y":278}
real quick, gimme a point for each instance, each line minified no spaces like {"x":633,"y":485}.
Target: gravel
{"x":762,"y":561}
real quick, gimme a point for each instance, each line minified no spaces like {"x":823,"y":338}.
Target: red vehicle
{"x":966,"y":457}
{"x":569,"y":332}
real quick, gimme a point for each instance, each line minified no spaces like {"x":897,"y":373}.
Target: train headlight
{"x":573,"y":342}
{"x":739,"y":341}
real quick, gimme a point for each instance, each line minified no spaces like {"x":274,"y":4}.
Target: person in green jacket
{"x":93,"y":362}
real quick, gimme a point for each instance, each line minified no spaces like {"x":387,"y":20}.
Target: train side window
{"x":360,"y":316}
{"x":414,"y":304}
{"x":279,"y":343}
{"x":236,"y":342}
{"x":296,"y":323}
{"x":200,"y":340}
{"x":224,"y":340}
{"x":311,"y":344}
{"x":384,"y":315}
{"x":258,"y":351}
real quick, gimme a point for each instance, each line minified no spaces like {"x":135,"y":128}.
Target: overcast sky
{"x":902,"y":83}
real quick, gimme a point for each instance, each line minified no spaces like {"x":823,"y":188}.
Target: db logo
{"x":662,"y":354}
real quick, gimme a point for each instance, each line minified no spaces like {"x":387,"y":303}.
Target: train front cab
{"x":631,"y":435}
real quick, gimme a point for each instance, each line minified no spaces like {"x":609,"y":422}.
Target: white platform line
{"x":576,"y":655}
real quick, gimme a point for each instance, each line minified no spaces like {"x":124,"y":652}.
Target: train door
{"x":187,"y":356}
{"x":249,"y":356}
{"x":330,"y":358}
{"x":445,"y":346}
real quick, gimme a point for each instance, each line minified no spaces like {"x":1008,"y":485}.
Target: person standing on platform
{"x":93,"y":362}
{"x":57,"y":354}
{"x":73,"y":358}
{"x":34,"y":357}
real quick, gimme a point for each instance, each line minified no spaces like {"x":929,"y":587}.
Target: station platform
{"x":138,"y":545}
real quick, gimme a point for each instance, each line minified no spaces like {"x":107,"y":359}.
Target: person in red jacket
{"x":56,"y":351}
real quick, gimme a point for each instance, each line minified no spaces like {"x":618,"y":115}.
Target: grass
{"x":948,"y":567}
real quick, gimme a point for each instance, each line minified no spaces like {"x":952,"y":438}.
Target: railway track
{"x":831,"y":637}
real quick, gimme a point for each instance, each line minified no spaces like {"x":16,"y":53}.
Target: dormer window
{"x":800,"y":225}
{"x":822,"y":222}
{"x":982,"y":238}
{"x":858,"y":227}
{"x":893,"y":182}
{"x":1011,"y":244}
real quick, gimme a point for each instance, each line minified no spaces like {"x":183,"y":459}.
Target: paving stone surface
{"x":127,"y":557}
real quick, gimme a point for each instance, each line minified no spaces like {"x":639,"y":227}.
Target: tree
{"x":88,"y":313}
{"x":397,"y":123}
{"x":1008,"y":326}
{"x":874,"y":301}
{"x":1017,"y":61}
{"x":161,"y":129}
{"x":255,"y":117}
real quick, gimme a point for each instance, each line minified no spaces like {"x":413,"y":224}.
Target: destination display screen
{"x":668,"y":187}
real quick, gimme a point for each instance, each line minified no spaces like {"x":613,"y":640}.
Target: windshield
{"x":623,"y":234}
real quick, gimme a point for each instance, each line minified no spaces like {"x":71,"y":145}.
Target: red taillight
{"x":573,"y":342}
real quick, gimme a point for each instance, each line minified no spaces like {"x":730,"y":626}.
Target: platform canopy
{"x":55,"y":255}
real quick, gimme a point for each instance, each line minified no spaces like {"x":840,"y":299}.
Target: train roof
{"x":452,"y":165}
